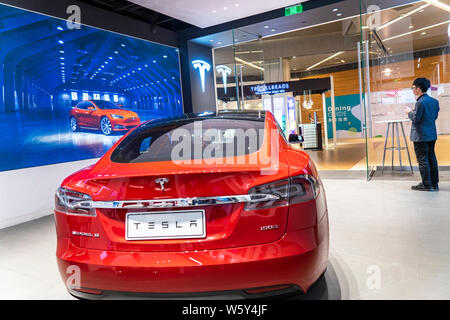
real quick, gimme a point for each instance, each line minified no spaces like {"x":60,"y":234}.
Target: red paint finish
{"x":90,"y":118}
{"x":235,"y":254}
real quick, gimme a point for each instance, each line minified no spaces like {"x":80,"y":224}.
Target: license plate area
{"x":188,"y":224}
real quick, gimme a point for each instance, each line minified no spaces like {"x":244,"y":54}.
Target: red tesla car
{"x":206,"y":205}
{"x":102,"y":115}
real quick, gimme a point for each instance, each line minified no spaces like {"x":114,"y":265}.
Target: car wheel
{"x":105,"y":126}
{"x":73,"y":124}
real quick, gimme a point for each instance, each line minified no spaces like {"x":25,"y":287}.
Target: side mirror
{"x":295,"y":138}
{"x":91,"y":108}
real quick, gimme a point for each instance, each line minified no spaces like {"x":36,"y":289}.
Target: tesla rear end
{"x":198,"y":206}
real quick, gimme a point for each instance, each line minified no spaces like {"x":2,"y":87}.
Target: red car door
{"x":81,"y":114}
{"x":93,"y":115}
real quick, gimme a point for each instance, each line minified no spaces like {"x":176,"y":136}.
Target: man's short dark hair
{"x":422,"y":83}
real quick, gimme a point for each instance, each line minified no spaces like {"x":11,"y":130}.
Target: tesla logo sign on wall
{"x":224,"y":71}
{"x":202,"y":67}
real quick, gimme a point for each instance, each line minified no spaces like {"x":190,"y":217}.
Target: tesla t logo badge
{"x":161,"y":182}
{"x":225,"y":71}
{"x":202,"y":67}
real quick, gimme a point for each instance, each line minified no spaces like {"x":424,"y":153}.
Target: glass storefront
{"x":401,"y":44}
{"x":342,"y":81}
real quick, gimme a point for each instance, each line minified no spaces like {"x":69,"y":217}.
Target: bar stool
{"x":395,"y":127}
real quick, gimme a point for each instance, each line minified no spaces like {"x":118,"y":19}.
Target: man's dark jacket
{"x":423,"y":119}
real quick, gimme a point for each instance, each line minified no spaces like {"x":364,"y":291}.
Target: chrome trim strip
{"x":173,"y":203}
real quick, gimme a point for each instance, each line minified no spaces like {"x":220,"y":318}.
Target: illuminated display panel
{"x":49,"y":69}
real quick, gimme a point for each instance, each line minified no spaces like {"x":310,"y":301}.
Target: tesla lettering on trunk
{"x":167,"y":224}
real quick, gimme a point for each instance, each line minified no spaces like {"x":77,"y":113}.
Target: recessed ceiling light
{"x":225,"y":8}
{"x":273,"y":30}
{"x":339,"y":14}
{"x":411,"y":27}
{"x":266,"y":27}
{"x":220,"y":42}
{"x":294,"y":57}
{"x":236,"y":4}
{"x":335,"y":9}
{"x":423,"y":33}
{"x":214,"y":11}
{"x":211,"y":40}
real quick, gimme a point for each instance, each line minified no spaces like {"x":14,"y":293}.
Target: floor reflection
{"x":42,"y":136}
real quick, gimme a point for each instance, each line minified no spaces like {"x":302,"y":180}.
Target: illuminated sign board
{"x":289,"y":11}
{"x":273,"y":88}
{"x":202,"y":67}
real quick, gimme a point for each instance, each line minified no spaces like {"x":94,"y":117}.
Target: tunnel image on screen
{"x":70,"y":94}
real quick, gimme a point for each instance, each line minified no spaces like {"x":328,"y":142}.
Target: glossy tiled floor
{"x":387,"y":242}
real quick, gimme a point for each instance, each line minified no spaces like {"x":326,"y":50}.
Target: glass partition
{"x":236,"y":65}
{"x":399,"y":45}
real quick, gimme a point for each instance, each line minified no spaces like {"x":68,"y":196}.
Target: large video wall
{"x":48,"y":75}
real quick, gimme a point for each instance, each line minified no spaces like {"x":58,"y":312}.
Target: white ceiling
{"x":206,"y":13}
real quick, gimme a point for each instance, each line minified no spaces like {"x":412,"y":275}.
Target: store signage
{"x":272,"y":88}
{"x":296,"y":87}
{"x":348,"y":116}
{"x":291,"y":114}
{"x":202,"y":67}
{"x":224,"y":71}
{"x":289,"y":11}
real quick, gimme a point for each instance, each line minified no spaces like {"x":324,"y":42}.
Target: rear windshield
{"x":191,"y":139}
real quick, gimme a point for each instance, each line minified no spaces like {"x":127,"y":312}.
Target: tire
{"x":73,"y":124}
{"x":106,"y":126}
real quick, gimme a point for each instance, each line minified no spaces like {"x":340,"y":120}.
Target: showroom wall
{"x":40,"y":56}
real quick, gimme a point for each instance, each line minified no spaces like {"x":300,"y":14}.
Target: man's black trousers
{"x":428,"y":165}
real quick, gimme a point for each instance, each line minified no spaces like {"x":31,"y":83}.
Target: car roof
{"x":254,"y":115}
{"x":249,"y":115}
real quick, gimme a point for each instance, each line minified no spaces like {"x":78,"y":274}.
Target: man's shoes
{"x":435,"y":187}
{"x":421,"y":187}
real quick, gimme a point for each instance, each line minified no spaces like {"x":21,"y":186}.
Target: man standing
{"x":424,"y":135}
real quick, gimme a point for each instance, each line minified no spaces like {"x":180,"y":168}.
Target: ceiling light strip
{"x":439,"y":4}
{"x":249,"y":64}
{"x":325,"y":60}
{"x":419,"y":30}
{"x":403,"y":16}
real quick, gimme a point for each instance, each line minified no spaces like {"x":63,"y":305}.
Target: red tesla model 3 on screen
{"x":205,"y":205}
{"x":102,"y":115}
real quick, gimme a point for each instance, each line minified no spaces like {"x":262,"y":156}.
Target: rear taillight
{"x":289,"y":191}
{"x":303,"y":188}
{"x":67,"y":201}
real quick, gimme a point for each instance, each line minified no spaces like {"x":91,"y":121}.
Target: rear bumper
{"x":290,"y":291}
{"x":297,"y":260}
